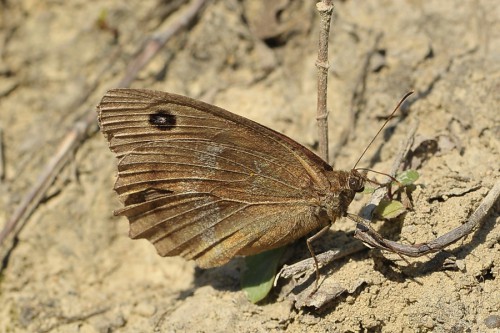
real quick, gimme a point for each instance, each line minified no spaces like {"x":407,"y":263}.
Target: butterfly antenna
{"x":385,"y":123}
{"x":380,"y":173}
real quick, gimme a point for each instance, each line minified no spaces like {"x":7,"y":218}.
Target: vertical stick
{"x":325,"y":9}
{"x":2,"y":162}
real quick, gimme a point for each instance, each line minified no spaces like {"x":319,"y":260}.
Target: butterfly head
{"x":353,"y":182}
{"x":343,"y":187}
{"x":356,"y":181}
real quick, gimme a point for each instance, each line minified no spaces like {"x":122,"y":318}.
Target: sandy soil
{"x":74,"y":269}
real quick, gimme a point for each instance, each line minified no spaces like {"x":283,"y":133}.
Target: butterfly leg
{"x":309,"y":246}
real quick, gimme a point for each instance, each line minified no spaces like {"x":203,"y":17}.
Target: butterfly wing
{"x":204,"y":183}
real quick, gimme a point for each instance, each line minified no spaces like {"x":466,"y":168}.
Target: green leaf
{"x":257,"y":280}
{"x":407,"y":177}
{"x":368,"y":190}
{"x":389,"y":209}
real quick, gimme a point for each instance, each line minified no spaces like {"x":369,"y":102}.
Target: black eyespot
{"x":146,"y":195}
{"x":163,"y":120}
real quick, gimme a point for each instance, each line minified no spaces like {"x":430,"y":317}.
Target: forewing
{"x":203,"y":183}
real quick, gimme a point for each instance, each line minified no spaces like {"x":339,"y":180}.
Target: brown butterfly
{"x":206,"y":184}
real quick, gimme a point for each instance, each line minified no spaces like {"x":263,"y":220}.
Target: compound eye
{"x":356,"y":184}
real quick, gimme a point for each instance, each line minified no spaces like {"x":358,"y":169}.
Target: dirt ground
{"x":74,"y":269}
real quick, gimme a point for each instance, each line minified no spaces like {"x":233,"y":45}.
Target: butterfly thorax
{"x":343,"y":187}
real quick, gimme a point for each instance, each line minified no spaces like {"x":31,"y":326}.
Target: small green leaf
{"x":368,"y":190}
{"x":407,"y":177}
{"x":389,"y":209}
{"x":257,"y":280}
{"x":102,"y":18}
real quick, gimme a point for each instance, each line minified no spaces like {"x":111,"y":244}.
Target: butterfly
{"x":203,"y":183}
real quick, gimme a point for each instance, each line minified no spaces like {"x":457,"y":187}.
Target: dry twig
{"x":62,"y":320}
{"x":369,"y":236}
{"x":323,"y":259}
{"x":325,"y":9}
{"x":2,"y":161}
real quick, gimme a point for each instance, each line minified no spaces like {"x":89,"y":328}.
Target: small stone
{"x":492,"y":321}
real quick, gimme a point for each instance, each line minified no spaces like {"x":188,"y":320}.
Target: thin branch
{"x":323,"y":259}
{"x":85,"y":127}
{"x":325,"y":9}
{"x":154,"y":44}
{"x":369,"y":236}
{"x":31,"y":200}
{"x":73,"y":319}
{"x":2,"y":161}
